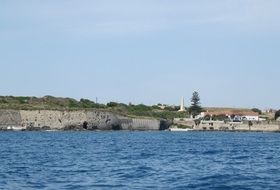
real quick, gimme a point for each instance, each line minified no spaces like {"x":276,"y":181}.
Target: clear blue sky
{"x":143,"y":51}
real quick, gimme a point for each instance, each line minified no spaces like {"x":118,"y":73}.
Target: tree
{"x":220,"y":117}
{"x":112,"y":104}
{"x":277,"y":114}
{"x":250,"y":123}
{"x":195,"y":108}
{"x":257,"y":110}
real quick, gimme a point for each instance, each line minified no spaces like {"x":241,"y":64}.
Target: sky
{"x":143,"y":51}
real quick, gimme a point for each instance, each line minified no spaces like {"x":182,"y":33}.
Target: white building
{"x":234,"y":114}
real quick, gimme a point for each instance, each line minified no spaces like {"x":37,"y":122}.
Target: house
{"x":232,"y":114}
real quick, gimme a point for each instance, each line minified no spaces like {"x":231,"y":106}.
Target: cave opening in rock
{"x":116,"y":127}
{"x":85,"y":125}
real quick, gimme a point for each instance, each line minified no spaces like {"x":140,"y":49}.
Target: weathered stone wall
{"x":140,"y":124}
{"x":10,"y":118}
{"x":44,"y":118}
{"x":75,"y":120}
{"x":239,"y":127}
{"x":69,"y":119}
{"x":233,"y":126}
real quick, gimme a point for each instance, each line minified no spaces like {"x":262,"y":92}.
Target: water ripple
{"x":139,"y":160}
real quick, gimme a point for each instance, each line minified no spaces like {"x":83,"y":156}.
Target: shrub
{"x":257,"y":110}
{"x":221,"y":117}
{"x":277,"y":114}
{"x":112,"y":104}
{"x":207,"y":117}
{"x":73,"y":104}
{"x":22,"y":100}
{"x":85,"y":103}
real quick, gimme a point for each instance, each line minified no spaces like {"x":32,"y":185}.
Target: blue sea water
{"x":139,"y":160}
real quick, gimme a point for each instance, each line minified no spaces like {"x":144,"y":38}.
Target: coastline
{"x":94,"y":120}
{"x":42,"y":120}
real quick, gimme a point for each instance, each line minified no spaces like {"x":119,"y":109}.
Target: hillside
{"x":58,"y":103}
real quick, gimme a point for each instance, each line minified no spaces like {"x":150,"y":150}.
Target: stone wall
{"x":140,"y":124}
{"x":75,"y":120}
{"x":70,"y":119}
{"x":231,"y":126}
{"x":9,"y":118}
{"x":239,"y":127}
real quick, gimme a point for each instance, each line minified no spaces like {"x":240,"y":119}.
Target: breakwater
{"x":74,"y":120}
{"x":254,"y":126}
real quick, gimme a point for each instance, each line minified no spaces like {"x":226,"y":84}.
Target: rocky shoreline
{"x":45,"y":120}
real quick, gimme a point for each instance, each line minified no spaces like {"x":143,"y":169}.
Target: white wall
{"x":251,"y":118}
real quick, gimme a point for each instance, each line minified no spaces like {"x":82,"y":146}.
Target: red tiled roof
{"x":231,"y":112}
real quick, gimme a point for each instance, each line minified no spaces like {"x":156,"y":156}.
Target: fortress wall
{"x":258,"y":127}
{"x":126,"y":123}
{"x":241,"y":127}
{"x":10,"y":118}
{"x":62,"y":119}
{"x":145,"y":124}
{"x":142,"y":124}
{"x":41,"y":118}
{"x":102,"y":120}
{"x":52,"y":119}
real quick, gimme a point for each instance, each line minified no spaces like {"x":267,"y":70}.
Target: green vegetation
{"x":56,"y":103}
{"x":257,"y":110}
{"x":195,"y":108}
{"x":142,"y":110}
{"x":46,"y":102}
{"x":277,"y":114}
{"x":184,"y":127}
{"x":221,"y":117}
{"x":112,"y":104}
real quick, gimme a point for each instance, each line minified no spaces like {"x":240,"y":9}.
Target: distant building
{"x":233,"y":114}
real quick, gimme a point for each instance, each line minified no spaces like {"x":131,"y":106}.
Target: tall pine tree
{"x":195,"y":108}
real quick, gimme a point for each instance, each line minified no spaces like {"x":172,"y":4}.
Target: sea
{"x":139,"y":160}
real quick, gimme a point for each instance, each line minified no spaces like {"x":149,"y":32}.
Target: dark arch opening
{"x":116,"y":127}
{"x":85,"y":125}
